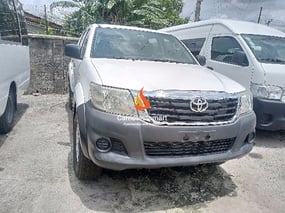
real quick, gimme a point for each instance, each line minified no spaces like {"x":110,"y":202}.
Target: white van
{"x":14,"y":61}
{"x":141,"y":100}
{"x":251,"y":54}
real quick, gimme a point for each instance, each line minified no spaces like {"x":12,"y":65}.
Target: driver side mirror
{"x":201,"y":59}
{"x":239,"y":58}
{"x":73,"y":51}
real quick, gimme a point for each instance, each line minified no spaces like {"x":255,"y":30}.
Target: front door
{"x":222,"y":59}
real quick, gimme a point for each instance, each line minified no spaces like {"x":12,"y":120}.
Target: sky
{"x":248,"y":10}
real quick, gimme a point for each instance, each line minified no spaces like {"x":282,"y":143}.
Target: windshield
{"x":139,"y":45}
{"x":267,"y":49}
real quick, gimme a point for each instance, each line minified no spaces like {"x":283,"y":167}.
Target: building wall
{"x":48,"y":64}
{"x":33,"y":28}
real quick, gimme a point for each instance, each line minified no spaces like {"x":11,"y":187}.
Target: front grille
{"x":188,"y":148}
{"x":118,"y":147}
{"x":178,"y":110}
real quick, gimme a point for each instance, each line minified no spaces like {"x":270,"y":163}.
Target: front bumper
{"x":270,"y":114}
{"x":132,"y":134}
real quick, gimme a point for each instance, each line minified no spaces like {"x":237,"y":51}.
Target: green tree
{"x":78,"y":20}
{"x":154,"y":14}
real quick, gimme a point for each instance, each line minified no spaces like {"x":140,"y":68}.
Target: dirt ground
{"x":36,"y":174}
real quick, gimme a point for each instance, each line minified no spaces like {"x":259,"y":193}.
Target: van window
{"x":267,"y":49}
{"x":194,"y":45}
{"x":12,"y":22}
{"x":9,"y":29}
{"x":21,"y":22}
{"x":224,"y":49}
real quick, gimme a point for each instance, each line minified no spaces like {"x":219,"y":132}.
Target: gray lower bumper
{"x":270,"y":114}
{"x":133,"y":133}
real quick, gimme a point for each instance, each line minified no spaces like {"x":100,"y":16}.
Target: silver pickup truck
{"x":141,"y":100}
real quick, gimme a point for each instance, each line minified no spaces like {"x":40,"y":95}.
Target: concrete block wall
{"x":48,"y":64}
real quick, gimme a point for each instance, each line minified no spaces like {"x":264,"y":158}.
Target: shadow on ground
{"x":269,"y":139}
{"x":21,"y":109}
{"x":149,"y":190}
{"x":153,"y":190}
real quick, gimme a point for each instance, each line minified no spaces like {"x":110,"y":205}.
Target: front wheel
{"x":83,"y":167}
{"x":7,"y":119}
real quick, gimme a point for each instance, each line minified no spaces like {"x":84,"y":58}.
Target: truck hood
{"x":275,"y":74}
{"x":161,"y":76}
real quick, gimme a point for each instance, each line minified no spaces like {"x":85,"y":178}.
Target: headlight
{"x":112,"y":100}
{"x":266,"y":91}
{"x":245,"y":104}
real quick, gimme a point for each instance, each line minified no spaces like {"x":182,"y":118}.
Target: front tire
{"x":7,"y":119}
{"x":84,"y":168}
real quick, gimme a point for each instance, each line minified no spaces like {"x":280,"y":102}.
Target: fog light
{"x":266,"y":118}
{"x":103,"y":145}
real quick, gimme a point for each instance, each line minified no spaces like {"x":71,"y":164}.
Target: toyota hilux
{"x":141,"y":100}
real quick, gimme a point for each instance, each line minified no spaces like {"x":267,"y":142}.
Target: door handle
{"x":211,"y":68}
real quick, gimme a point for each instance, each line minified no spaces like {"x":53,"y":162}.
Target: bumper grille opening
{"x":249,"y":138}
{"x":188,"y":148}
{"x":178,"y":110}
{"x":118,"y":147}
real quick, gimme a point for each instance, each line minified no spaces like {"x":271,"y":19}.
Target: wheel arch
{"x":79,"y":109}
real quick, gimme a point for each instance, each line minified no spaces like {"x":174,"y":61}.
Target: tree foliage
{"x":154,"y":14}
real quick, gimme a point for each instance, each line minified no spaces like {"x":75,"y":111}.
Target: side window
{"x":9,"y":28}
{"x":81,"y":39}
{"x":83,"y":45}
{"x":194,"y":45}
{"x":226,"y":49}
{"x":22,"y":22}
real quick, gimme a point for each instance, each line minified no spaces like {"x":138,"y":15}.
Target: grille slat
{"x":161,"y":149}
{"x":178,"y":110}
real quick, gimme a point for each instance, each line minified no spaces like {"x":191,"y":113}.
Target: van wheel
{"x":84,"y":168}
{"x":70,"y":98}
{"x":7,"y":119}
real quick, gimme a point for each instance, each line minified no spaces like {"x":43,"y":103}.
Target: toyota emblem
{"x":199,"y":104}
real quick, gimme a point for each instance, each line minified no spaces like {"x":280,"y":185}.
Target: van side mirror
{"x":239,"y":58}
{"x":73,"y":51}
{"x":201,"y":59}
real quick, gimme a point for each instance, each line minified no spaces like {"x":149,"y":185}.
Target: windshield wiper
{"x":148,"y":59}
{"x":131,"y":58}
{"x":170,"y":61}
{"x":125,"y":58}
{"x":279,"y":60}
{"x":274,"y":60}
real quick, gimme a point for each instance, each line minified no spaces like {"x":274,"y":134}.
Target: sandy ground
{"x":36,"y":174}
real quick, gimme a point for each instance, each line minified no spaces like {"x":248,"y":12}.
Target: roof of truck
{"x":238,"y":27}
